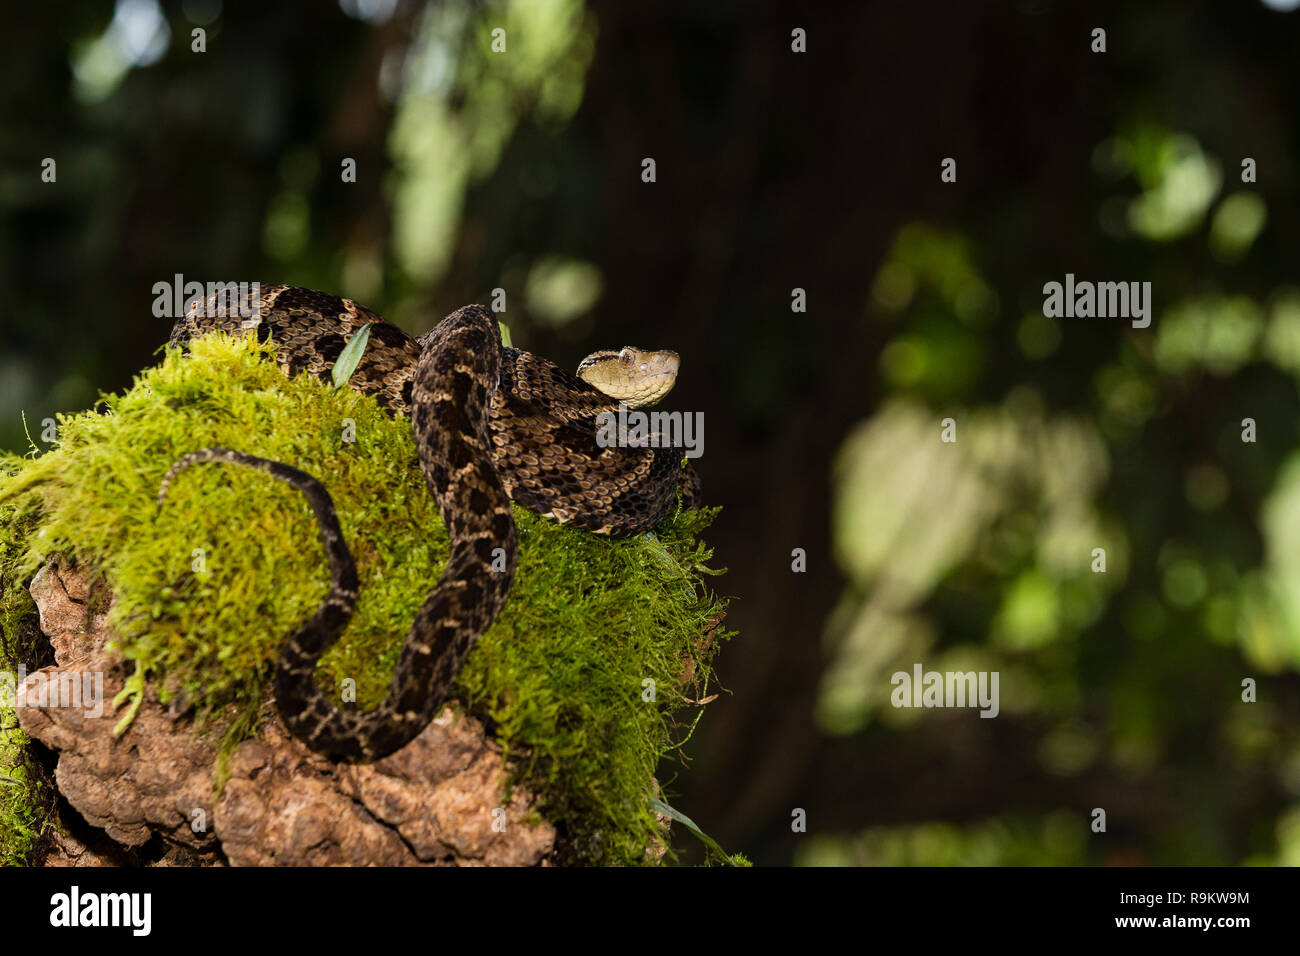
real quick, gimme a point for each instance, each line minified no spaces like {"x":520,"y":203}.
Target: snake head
{"x":636,"y":377}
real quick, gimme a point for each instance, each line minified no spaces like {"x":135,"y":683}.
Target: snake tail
{"x":450,"y":415}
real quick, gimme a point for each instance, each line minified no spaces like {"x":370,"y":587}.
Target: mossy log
{"x":595,"y":669}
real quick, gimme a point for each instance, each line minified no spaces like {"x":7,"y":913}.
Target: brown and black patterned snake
{"x":491,"y":424}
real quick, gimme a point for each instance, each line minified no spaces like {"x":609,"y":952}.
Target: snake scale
{"x":491,"y":424}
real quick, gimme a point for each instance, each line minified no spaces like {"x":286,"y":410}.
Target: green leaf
{"x":350,"y":357}
{"x":505,"y":333}
{"x":660,"y":807}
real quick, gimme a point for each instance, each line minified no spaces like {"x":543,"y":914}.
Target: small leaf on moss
{"x":350,"y":357}
{"x":659,"y":806}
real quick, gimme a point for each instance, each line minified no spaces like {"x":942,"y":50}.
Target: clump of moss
{"x":26,"y":799}
{"x":580,"y":677}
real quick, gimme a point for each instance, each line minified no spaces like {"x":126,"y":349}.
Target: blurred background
{"x":775,"y":171}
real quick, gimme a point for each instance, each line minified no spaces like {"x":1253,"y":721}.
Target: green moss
{"x":26,"y":798}
{"x":208,"y":589}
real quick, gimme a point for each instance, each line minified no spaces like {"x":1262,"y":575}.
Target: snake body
{"x":491,"y":424}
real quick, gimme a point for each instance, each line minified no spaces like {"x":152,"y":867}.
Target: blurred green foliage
{"x":1001,"y":526}
{"x":480,"y":170}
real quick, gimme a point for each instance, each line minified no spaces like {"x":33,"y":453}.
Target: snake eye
{"x":626,"y":356}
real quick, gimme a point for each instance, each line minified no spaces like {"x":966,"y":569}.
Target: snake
{"x":492,"y":424}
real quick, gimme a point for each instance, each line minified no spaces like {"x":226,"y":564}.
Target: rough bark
{"x":439,"y":800}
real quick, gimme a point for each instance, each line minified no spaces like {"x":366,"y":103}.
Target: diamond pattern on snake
{"x":492,"y":424}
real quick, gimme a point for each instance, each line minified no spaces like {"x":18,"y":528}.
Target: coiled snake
{"x":491,"y":424}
